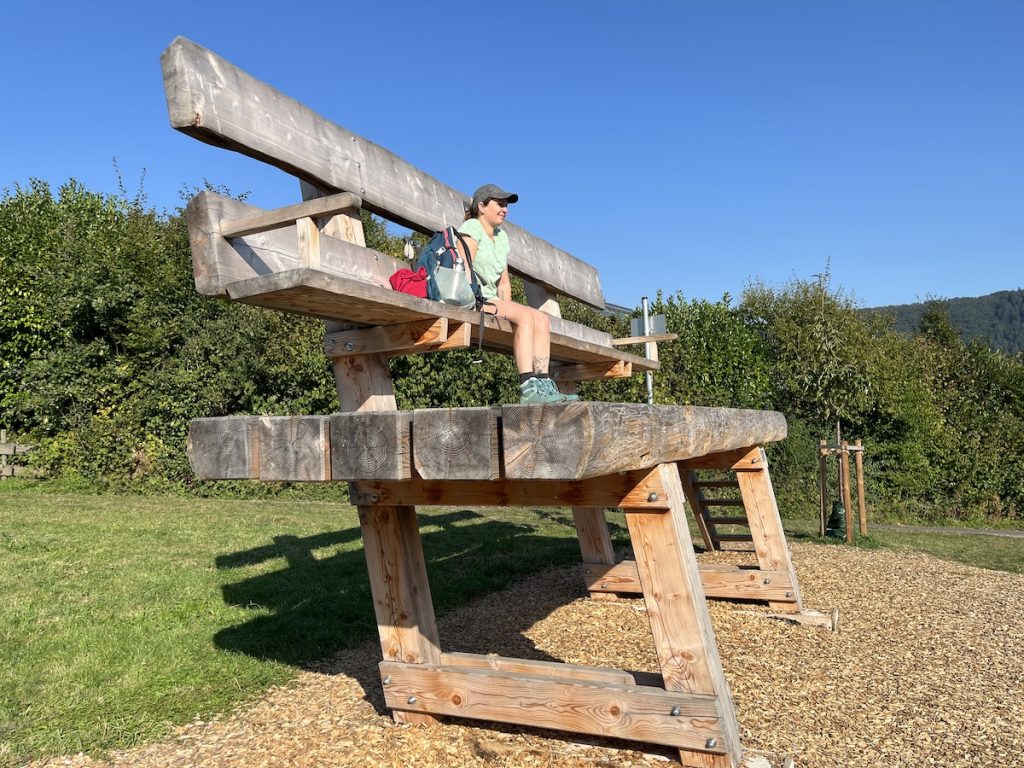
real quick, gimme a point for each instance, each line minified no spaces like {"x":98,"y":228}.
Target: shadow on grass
{"x":319,"y":600}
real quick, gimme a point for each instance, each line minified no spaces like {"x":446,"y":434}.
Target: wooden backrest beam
{"x":214,"y":101}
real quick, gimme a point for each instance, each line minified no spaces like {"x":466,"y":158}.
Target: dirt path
{"x":925,"y":670}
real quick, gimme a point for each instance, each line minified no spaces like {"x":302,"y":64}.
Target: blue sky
{"x":690,"y":146}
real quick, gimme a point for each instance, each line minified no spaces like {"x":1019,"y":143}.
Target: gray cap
{"x":492,"y":192}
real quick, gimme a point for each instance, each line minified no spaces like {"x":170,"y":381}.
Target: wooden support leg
{"x":683,"y":637}
{"x":401,"y":593}
{"x":688,"y":478}
{"x":766,"y":525}
{"x":595,"y":542}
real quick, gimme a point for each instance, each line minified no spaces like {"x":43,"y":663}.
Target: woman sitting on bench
{"x":488,"y":251}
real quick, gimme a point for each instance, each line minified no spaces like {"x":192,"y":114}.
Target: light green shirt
{"x":491,"y":256}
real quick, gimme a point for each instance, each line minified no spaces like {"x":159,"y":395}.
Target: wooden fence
{"x":11,"y":455}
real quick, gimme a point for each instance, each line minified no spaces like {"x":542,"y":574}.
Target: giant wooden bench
{"x":311,"y":258}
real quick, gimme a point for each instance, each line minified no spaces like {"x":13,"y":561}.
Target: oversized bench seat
{"x":310,"y":258}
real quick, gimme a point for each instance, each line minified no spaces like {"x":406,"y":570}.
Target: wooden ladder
{"x":707,"y":520}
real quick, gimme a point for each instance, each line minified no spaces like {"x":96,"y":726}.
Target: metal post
{"x":648,"y":375}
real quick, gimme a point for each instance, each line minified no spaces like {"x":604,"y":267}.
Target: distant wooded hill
{"x":996,"y":319}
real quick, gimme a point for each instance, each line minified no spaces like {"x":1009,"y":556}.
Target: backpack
{"x":448,"y":279}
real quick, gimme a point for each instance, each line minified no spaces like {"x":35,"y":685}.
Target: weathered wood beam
{"x":371,"y":444}
{"x":225,"y":448}
{"x":738,"y":460}
{"x":652,"y":338}
{"x":457,"y":443}
{"x":399,"y":339}
{"x":253,"y":223}
{"x":582,"y":439}
{"x":718,"y":581}
{"x":218,"y":261}
{"x":216,"y":102}
{"x":685,"y":721}
{"x":591,"y":371}
{"x":558,"y":669}
{"x":336,"y":297}
{"x":295,"y":448}
{"x":15,"y":449}
{"x":637,"y":490}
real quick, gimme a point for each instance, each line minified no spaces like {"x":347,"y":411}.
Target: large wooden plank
{"x":531,"y":667}
{"x":637,"y":490}
{"x":217,"y":261}
{"x":457,"y":443}
{"x":216,"y":102}
{"x":601,"y":708}
{"x":721,"y":582}
{"x":582,"y":439}
{"x":335,"y":297}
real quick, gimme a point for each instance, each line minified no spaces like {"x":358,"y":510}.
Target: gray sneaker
{"x":536,"y":391}
{"x":554,"y":388}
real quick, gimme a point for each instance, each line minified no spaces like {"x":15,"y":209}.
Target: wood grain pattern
{"x":579,"y":706}
{"x":631,"y":489}
{"x":254,"y":223}
{"x":683,"y":637}
{"x":457,"y":443}
{"x":295,"y":448}
{"x":582,"y":439}
{"x":530,"y":667}
{"x":619,"y":369}
{"x":224,"y":448}
{"x":402,"y":338}
{"x":217,"y":261}
{"x":592,"y":533}
{"x":210,"y":99}
{"x":719,"y":582}
{"x":398,"y":581}
{"x":371,"y":444}
{"x":766,"y":528}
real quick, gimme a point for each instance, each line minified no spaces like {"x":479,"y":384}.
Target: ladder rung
{"x":716,"y":484}
{"x":723,"y":502}
{"x":728,"y":521}
{"x":733,"y":537}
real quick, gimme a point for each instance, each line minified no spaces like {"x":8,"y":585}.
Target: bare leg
{"x":531,"y":339}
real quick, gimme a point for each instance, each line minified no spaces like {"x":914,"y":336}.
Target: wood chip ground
{"x":926,"y":669}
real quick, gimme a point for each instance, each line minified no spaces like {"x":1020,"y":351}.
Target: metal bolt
{"x":387,"y":680}
{"x":349,"y":346}
{"x":332,"y":342}
{"x":604,"y":586}
{"x":789,"y":594}
{"x":711,"y":743}
{"x":412,"y":700}
{"x":767,"y":582}
{"x":374,"y":498}
{"x":676,"y":711}
{"x":652,"y":497}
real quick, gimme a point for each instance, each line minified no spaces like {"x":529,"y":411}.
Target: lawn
{"x":127,"y":615}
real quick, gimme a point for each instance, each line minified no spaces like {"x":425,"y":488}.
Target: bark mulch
{"x":926,"y":669}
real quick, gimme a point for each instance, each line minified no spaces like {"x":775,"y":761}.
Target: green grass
{"x":126,"y":615}
{"x":958,"y":545}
